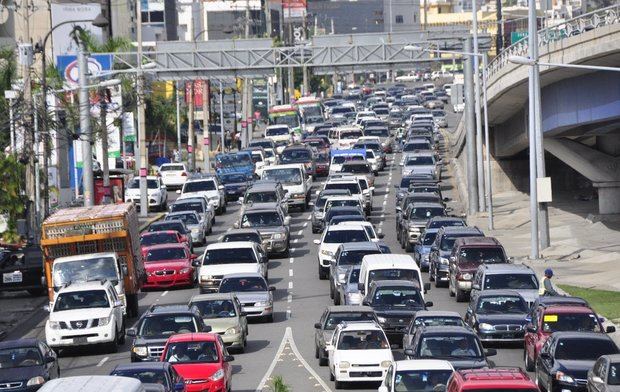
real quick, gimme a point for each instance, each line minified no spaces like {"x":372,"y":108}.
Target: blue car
{"x":26,"y":364}
{"x":422,"y":249}
{"x":234,"y":162}
{"x":235,"y":184}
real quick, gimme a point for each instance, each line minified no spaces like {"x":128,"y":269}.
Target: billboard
{"x":63,"y":43}
{"x":293,"y":9}
{"x":68,"y":67}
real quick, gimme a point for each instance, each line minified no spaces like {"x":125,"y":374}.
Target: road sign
{"x":68,"y":66}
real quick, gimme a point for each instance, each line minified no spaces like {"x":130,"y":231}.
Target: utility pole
{"x":37,"y":175}
{"x":479,"y":160}
{"x":105,"y":165}
{"x":222,"y":133}
{"x":488,"y":181}
{"x":178,"y":99}
{"x":191,"y":156}
{"x":206,"y":111}
{"x":472,"y":183}
{"x":144,"y":160}
{"x":88,"y":184}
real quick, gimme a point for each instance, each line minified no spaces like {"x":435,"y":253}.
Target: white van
{"x":295,"y":181}
{"x":389,"y":267}
{"x":93,"y":384}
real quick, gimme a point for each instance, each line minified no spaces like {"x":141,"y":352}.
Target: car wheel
{"x":112,"y":347}
{"x":224,"y":206}
{"x":408,"y":247}
{"x":460,"y":295}
{"x":269,"y":318}
{"x":322,"y":275}
{"x":122,"y":336}
{"x":331,"y":376}
{"x":337,"y":299}
{"x":322,"y":360}
{"x":431,"y":277}
{"x":316,"y":351}
{"x":450,"y":288}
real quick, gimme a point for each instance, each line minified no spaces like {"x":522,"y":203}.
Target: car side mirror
{"x":475,"y":286}
{"x":427,"y":286}
{"x":50,"y":359}
{"x":329,"y":347}
{"x":316,"y":242}
{"x":287,"y":221}
{"x":490,"y":352}
{"x":610,"y":329}
{"x":207,"y":328}
{"x":118,"y":303}
{"x":452,"y":259}
{"x":511,"y":260}
{"x":236,"y":225}
{"x":398,"y":209}
{"x":317,"y":192}
{"x":366,"y":302}
{"x":409,"y":352}
{"x":178,"y":192}
{"x":131,"y":332}
{"x":380,"y":235}
{"x":530,"y":328}
{"x":428,"y":304}
{"x":196,"y":263}
{"x":47,"y":308}
{"x":272,"y":288}
{"x":317,"y":325}
{"x":360,"y":287}
{"x":545,"y":355}
{"x":240,"y":200}
{"x":220,"y":187}
{"x":228,"y":358}
{"x":597,"y":380}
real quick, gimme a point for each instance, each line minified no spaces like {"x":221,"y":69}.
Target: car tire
{"x":123,"y":335}
{"x":269,"y":318}
{"x":331,"y":376}
{"x":431,"y":277}
{"x":322,"y":275}
{"x":112,"y":347}
{"x":316,"y":351}
{"x":224,"y":206}
{"x":408,"y":247}
{"x":337,"y":299}
{"x":451,"y":290}
{"x":322,"y":360}
{"x":461,"y":295}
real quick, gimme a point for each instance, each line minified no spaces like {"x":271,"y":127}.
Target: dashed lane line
{"x":103,"y":360}
{"x":292,"y":260}
{"x":164,"y":293}
{"x":290,"y":272}
{"x":290,"y":285}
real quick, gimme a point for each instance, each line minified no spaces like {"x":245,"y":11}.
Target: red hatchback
{"x":169,"y":265}
{"x":201,"y":359}
{"x":492,"y":380}
{"x":546,"y":320}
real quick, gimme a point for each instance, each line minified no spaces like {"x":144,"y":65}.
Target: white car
{"x":295,"y":181}
{"x":173,"y":175}
{"x":368,"y":226}
{"x":281,"y":136}
{"x":352,"y":184}
{"x":408,"y":78}
{"x":358,"y":352}
{"x":270,"y":156}
{"x":225,"y":258}
{"x":86,"y":314}
{"x":332,"y":238}
{"x":417,"y":374}
{"x":157,"y":192}
{"x":208,"y":187}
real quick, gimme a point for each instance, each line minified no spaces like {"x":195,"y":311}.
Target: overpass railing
{"x":572,"y":27}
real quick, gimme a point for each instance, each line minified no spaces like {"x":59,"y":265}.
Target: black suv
{"x":157,"y":324}
{"x":439,"y":257}
{"x":458,"y":345}
{"x":395,"y":302}
{"x":300,"y":153}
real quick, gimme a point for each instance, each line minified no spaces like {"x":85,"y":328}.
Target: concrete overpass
{"x":580,"y":110}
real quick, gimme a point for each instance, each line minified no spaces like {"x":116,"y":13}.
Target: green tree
{"x":277,"y":384}
{"x":8,"y":73}
{"x":12,"y":201}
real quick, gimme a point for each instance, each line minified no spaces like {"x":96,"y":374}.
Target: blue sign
{"x":68,"y":67}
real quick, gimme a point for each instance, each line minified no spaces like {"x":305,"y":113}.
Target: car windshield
{"x":315,"y":143}
{"x":417,"y":146}
{"x":393,"y":274}
{"x":352,"y":187}
{"x":296,"y":155}
{"x":192,"y":352}
{"x":188,"y":206}
{"x":261,"y":219}
{"x":243,"y":285}
{"x":351,"y":135}
{"x":341,"y":236}
{"x":261,"y":143}
{"x":84,"y":269}
{"x":145,"y":376}
{"x":257,"y":157}
{"x":341,"y":203}
{"x":426,"y":212}
{"x":216,"y":308}
{"x":511,"y":281}
{"x":432,"y":189}
{"x":556,"y":322}
{"x":363,"y":169}
{"x":419,"y":160}
{"x":340,"y":159}
{"x":232,"y":178}
{"x":261,"y":197}
{"x":436,"y":321}
{"x":398,"y":297}
{"x":501,"y":305}
{"x":482,"y":255}
{"x":450,"y":346}
{"x":429,"y":238}
{"x":290,"y":119}
{"x":421,"y":380}
{"x":269,"y":153}
{"x":614,"y":374}
{"x":378,"y":131}
{"x":171,"y":168}
{"x":277,"y":131}
{"x":158,"y":238}
{"x":18,"y":357}
{"x":199,"y":186}
{"x":338,"y":211}
{"x":163,"y":254}
{"x":363,"y":340}
{"x":354,"y":276}
{"x":445,"y":223}
{"x":236,"y":237}
{"x":187,"y":218}
{"x":584,"y":349}
{"x":81,"y":300}
{"x":150,"y":184}
{"x":166,"y":325}
{"x":335,"y":318}
{"x":169,"y":225}
{"x":284,"y":175}
{"x":229,"y":256}
{"x":447,"y":241}
{"x":354,"y":257}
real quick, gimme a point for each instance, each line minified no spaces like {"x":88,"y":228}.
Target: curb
{"x":146,"y":224}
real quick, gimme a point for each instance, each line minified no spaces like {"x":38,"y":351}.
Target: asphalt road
{"x":285,"y":347}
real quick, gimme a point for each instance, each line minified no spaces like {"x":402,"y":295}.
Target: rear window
{"x":171,"y":168}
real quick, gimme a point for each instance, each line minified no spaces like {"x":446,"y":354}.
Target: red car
{"x":319,"y":143}
{"x":201,"y":359}
{"x":169,"y":265}
{"x":161,"y":237}
{"x":546,"y":320}
{"x":492,"y":380}
{"x":322,"y":164}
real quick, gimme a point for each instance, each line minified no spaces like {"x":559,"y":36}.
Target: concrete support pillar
{"x":608,"y":197}
{"x":609,"y":144}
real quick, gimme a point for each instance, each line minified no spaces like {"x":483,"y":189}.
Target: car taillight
{"x":183,"y":174}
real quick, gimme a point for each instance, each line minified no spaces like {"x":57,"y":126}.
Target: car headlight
{"x":217,"y":375}
{"x":185,"y":271}
{"x":233,"y":330}
{"x":38,"y":380}
{"x":485,"y":327}
{"x":560,"y":376}
{"x":444,"y":261}
{"x":327,"y":253}
{"x":381,"y":319}
{"x":103,"y":321}
{"x":344,"y":365}
{"x":277,"y":236}
{"x":414,"y":229}
{"x":54,"y":325}
{"x":261,"y":303}
{"x":140,"y":351}
{"x":385,"y":364}
{"x":341,"y":277}
{"x":206,"y":278}
{"x":195,"y":230}
{"x":466,"y":276}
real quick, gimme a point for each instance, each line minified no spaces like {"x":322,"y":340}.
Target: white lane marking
{"x":164,"y":293}
{"x":219,"y":239}
{"x":289,"y":298}
{"x":288,"y":314}
{"x":292,"y":249}
{"x":300,"y":232}
{"x":382,"y":216}
{"x":290,"y":285}
{"x":309,"y":217}
{"x":380,"y":223}
{"x":305,"y":224}
{"x":292,"y":260}
{"x":296,"y":240}
{"x":387,"y":190}
{"x":384,"y":202}
{"x":290,"y":272}
{"x":103,"y":360}
{"x":385,"y":197}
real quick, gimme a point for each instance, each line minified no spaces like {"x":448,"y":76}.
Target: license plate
{"x":12,"y":277}
{"x":80,"y":340}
